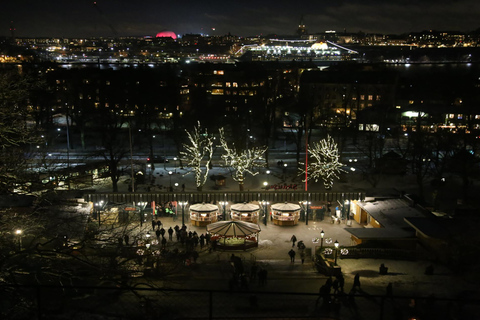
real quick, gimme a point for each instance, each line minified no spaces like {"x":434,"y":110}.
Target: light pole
{"x":183,"y":204}
{"x":336,"y":250}
{"x":175,"y":159}
{"x":170,"y":174}
{"x":265,"y":185}
{"x":223,"y":204}
{"x":322,"y":234}
{"x":265,"y":204}
{"x":306,"y":204}
{"x":18,"y":232}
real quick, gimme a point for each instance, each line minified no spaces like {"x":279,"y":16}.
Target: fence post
{"x":39,"y":303}
{"x":210,"y":305}
{"x":382,"y":305}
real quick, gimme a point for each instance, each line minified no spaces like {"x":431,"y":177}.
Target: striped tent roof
{"x":233,"y":228}
{"x":245,"y":207}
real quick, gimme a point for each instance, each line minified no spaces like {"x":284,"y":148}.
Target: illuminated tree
{"x":198,"y":154}
{"x":325,"y":163}
{"x":242,"y":162}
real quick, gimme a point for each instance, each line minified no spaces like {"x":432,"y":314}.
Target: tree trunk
{"x":241,"y":186}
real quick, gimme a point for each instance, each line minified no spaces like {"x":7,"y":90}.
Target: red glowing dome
{"x":166,"y":34}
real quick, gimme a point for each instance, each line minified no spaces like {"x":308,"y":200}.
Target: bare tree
{"x":242,"y":162}
{"x":198,"y":154}
{"x":16,"y":136}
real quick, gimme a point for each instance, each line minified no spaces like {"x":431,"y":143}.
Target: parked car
{"x":156,"y":159}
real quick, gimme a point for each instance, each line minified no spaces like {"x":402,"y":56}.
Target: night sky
{"x":81,"y":18}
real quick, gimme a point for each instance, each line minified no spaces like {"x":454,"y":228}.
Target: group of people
{"x":241,"y":279}
{"x":301,"y":250}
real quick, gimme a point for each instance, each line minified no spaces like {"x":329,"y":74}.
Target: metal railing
{"x":237,"y":197}
{"x":142,"y":302}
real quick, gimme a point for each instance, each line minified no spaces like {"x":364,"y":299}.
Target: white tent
{"x":285,"y":207}
{"x":203,"y":207}
{"x":245,"y":207}
{"x":233,"y":228}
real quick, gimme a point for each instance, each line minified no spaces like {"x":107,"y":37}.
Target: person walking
{"x":164,"y":243}
{"x":162,"y":232}
{"x":341,"y":282}
{"x":291,"y":253}
{"x":157,"y":232}
{"x":389,"y":289}
{"x":159,"y":224}
{"x":335,"y":286}
{"x":170,"y":233}
{"x":356,"y":281}
{"x":302,"y":256}
{"x":293,"y":239}
{"x":154,"y":223}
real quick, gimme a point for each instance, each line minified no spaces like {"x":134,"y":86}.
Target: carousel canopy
{"x":285,"y":207}
{"x":233,"y":228}
{"x":203,"y":207}
{"x":245,"y":207}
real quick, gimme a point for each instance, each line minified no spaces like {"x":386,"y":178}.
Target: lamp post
{"x":175,"y":159}
{"x":264,"y":205}
{"x":183,"y":204}
{"x":336,"y":250}
{"x":170,"y":174}
{"x":322,"y":234}
{"x":18,"y":232}
{"x":347,"y":209}
{"x":265,"y":185}
{"x":223,"y":204}
{"x":306,"y":204}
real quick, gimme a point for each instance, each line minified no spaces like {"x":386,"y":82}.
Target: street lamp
{"x":183,"y":204}
{"x":264,"y":205}
{"x":336,"y":250}
{"x":265,"y":184}
{"x":322,"y":234}
{"x":18,"y":232}
{"x":170,"y":174}
{"x":306,"y":204}
{"x":223,"y":204}
{"x":175,"y":159}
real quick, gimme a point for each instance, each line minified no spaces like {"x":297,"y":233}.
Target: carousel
{"x":285,"y":214}
{"x":234,"y":235}
{"x":202,"y":214}
{"x":247,"y":212}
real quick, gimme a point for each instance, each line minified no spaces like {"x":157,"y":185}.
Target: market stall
{"x":234,"y":235}
{"x":202,"y":214}
{"x":244,"y":212}
{"x":285,"y":214}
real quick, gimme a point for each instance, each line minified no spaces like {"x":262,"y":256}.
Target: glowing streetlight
{"x":264,"y":205}
{"x":183,"y":204}
{"x":336,"y":244}
{"x":322,"y":234}
{"x":19,"y":232}
{"x":223,"y":204}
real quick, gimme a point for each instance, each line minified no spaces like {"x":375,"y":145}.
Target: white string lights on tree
{"x":198,"y":154}
{"x":325,"y":162}
{"x":242,"y":163}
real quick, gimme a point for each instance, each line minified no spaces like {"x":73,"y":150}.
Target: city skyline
{"x":54,"y":18}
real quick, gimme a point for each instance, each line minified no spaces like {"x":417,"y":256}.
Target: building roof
{"x":391,"y":213}
{"x":380,"y":233}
